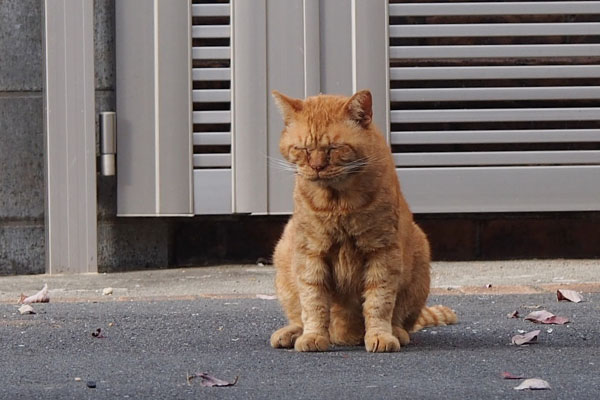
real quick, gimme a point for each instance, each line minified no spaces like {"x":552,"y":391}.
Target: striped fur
{"x":434,"y":316}
{"x":352,"y":266}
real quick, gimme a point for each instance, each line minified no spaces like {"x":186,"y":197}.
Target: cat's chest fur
{"x":346,"y":240}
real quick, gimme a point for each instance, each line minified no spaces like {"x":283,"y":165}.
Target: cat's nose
{"x":318,"y":161}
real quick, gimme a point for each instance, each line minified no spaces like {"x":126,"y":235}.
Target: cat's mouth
{"x":323,"y":176}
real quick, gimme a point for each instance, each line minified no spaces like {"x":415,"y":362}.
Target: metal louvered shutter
{"x":211,"y":97}
{"x":495,"y":105}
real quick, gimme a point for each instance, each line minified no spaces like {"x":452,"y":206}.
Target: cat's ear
{"x":360,"y":108}
{"x":287,"y":105}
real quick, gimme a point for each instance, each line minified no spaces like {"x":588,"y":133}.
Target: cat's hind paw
{"x":286,"y":336}
{"x":380,"y":342}
{"x":312,"y":342}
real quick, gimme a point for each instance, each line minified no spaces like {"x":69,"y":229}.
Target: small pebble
{"x":91,"y":384}
{"x":107,"y":291}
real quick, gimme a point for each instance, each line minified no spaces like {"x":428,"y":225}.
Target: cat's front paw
{"x":401,"y":334}
{"x":380,"y":342}
{"x":312,"y":342}
{"x":286,"y":336}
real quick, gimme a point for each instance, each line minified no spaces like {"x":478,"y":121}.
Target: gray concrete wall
{"x":122,"y":243}
{"x":21,"y":138}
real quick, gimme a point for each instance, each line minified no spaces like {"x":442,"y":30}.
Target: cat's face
{"x":326,"y":137}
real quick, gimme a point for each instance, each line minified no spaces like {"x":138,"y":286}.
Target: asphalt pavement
{"x":149,"y":345}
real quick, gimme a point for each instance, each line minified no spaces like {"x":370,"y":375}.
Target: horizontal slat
{"x":212,"y":160}
{"x":212,"y":117}
{"x":495,"y":51}
{"x":211,"y":74}
{"x":501,"y":189}
{"x":501,"y":114}
{"x":211,"y":53}
{"x":212,"y":138}
{"x":583,"y":157}
{"x":495,"y":72}
{"x":496,"y":136}
{"x":212,"y":191}
{"x":211,"y":95}
{"x":496,"y":93}
{"x":488,"y":30}
{"x":210,"y":10}
{"x":496,"y":8}
{"x":210,"y":31}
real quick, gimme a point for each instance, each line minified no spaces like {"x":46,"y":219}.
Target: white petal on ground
{"x":266,"y":297}
{"x":26,"y":309}
{"x":533,"y":384}
{"x":39,"y":297}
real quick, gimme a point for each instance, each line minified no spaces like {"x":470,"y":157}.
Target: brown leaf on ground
{"x":98,"y":334}
{"x":545,"y":317}
{"x":556,"y":320}
{"x":533,"y":384}
{"x":514,"y":314}
{"x":568,"y":295}
{"x":210,"y":381}
{"x":527,"y":338}
{"x":508,"y":375}
{"x":39,"y":297}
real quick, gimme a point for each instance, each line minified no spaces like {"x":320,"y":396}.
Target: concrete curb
{"x":248,"y":281}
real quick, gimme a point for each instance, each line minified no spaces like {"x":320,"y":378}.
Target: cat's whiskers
{"x":281,"y":165}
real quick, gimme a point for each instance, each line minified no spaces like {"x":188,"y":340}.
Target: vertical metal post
{"x":70,"y":146}
{"x":312,"y":48}
{"x":336,"y":46}
{"x":154,"y":110}
{"x":249,"y":106}
{"x":291,"y":71}
{"x":370,"y":58}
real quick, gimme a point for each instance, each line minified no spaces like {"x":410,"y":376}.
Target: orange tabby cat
{"x":352,"y":266}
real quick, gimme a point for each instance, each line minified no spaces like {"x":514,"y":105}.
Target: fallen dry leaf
{"x":556,"y":320}
{"x":527,"y":338}
{"x":107,"y":291}
{"x":508,"y":375}
{"x":514,"y":314}
{"x":266,"y":297}
{"x":210,"y":381}
{"x":39,"y":297}
{"x":545,"y":317}
{"x":26,"y":309}
{"x":568,"y":295}
{"x":533,"y":384}
{"x":98,"y":334}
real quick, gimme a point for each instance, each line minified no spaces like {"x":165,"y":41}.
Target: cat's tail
{"x":434,"y":316}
